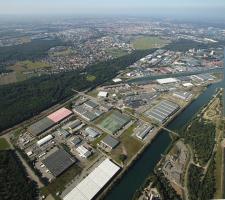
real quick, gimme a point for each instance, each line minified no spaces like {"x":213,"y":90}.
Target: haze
{"x":174,"y":8}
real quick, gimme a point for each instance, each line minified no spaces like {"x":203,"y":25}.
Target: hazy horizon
{"x":201,"y":9}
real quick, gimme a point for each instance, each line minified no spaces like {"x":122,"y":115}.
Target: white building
{"x":83,"y":151}
{"x":44,"y":140}
{"x":167,"y":80}
{"x":102,"y":94}
{"x":90,"y":186}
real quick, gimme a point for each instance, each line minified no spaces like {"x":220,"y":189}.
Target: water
{"x":138,"y":173}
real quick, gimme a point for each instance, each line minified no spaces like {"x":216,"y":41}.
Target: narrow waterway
{"x":137,"y":174}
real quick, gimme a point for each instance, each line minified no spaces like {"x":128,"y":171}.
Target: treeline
{"x":14,"y":182}
{"x":29,"y":51}
{"x":200,"y":135}
{"x":20,"y":101}
{"x":201,"y":186}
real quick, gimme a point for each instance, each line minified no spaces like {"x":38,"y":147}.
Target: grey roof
{"x":76,"y":141}
{"x":91,"y":104}
{"x":162,"y":111}
{"x":92,"y":132}
{"x":58,"y":162}
{"x":110,"y":141}
{"x":40,"y":126}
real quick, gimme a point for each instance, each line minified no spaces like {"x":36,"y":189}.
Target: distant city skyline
{"x":162,"y":8}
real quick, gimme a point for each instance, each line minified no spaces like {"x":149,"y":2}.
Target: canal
{"x":142,"y":168}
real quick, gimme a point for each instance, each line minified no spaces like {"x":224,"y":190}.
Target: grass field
{"x":128,"y":145}
{"x":149,"y":42}
{"x":90,"y":78}
{"x":4,"y":145}
{"x":116,"y":53}
{"x":18,"y":71}
{"x":113,"y":122}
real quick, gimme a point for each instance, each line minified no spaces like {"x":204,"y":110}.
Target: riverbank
{"x":141,"y":169}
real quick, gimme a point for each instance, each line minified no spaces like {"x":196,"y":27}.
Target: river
{"x":142,"y":168}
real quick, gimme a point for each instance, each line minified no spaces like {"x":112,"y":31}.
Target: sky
{"x":167,"y":8}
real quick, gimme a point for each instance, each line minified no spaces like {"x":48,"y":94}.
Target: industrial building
{"x":49,"y":121}
{"x":162,"y":111}
{"x":186,"y":96}
{"x":144,"y":132}
{"x":73,"y":124}
{"x":91,"y":132}
{"x":40,"y":126}
{"x":83,"y":151}
{"x":58,"y":162}
{"x":75,"y":141}
{"x":90,"y":186}
{"x":102,"y":94}
{"x":59,"y":115}
{"x":167,"y":80}
{"x":110,"y":142}
{"x":85,"y":113}
{"x":44,"y":140}
{"x":90,"y":104}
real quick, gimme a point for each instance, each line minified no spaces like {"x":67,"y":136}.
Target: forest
{"x":201,"y":186}
{"x":20,"y":101}
{"x":29,"y":51}
{"x":14,"y":182}
{"x":201,"y":137}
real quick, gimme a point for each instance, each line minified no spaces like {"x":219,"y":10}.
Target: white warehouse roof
{"x":102,"y":94}
{"x":94,"y":182}
{"x":167,"y":80}
{"x":44,"y":140}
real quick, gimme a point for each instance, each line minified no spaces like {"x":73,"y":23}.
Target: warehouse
{"x":144,"y":132}
{"x":162,"y":111}
{"x":167,"y":80}
{"x":49,"y":121}
{"x":59,"y":115}
{"x":44,"y":140}
{"x":40,"y":126}
{"x":110,"y":142}
{"x":103,"y":94}
{"x":90,"y":186}
{"x":183,"y":95}
{"x":90,"y":104}
{"x":91,"y":132}
{"x":58,"y":162}
{"x":83,"y":151}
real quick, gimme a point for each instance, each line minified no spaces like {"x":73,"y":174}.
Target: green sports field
{"x":114,"y":122}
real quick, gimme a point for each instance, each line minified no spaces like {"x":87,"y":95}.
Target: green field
{"x":4,"y":145}
{"x":18,"y":70}
{"x":149,"y":42}
{"x":116,"y":53}
{"x":113,"y":122}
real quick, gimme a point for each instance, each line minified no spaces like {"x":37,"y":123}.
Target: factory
{"x":144,"y":132}
{"x":90,"y":186}
{"x":167,"y":80}
{"x":186,"y":96}
{"x":162,"y":111}
{"x":46,"y":123}
{"x":44,"y":140}
{"x":110,"y":142}
{"x":91,"y":132}
{"x":83,"y":151}
{"x":58,"y":162}
{"x":87,"y":113}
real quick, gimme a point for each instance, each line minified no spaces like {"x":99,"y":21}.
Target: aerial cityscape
{"x":116,"y":100}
